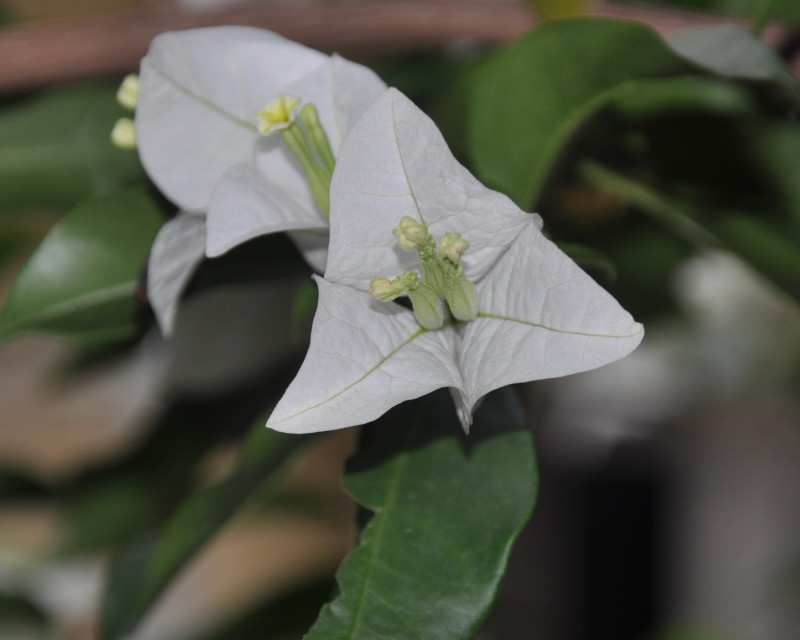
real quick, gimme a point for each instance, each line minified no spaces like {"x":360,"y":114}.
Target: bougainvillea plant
{"x":417,"y":290}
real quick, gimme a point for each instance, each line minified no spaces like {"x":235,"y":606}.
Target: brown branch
{"x":44,"y":52}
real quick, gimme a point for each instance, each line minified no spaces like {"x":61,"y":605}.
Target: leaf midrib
{"x":78,"y":303}
{"x":376,"y":537}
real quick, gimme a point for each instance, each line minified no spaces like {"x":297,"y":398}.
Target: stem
{"x":648,"y":202}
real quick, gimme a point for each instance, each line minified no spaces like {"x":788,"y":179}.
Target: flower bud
{"x":462,"y":298}
{"x":410,"y":234}
{"x":428,"y":307}
{"x":123,"y":135}
{"x":387,"y":290}
{"x":128,"y":92}
{"x":382,"y":289}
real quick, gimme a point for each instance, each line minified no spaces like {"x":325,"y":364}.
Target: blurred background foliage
{"x":642,"y":154}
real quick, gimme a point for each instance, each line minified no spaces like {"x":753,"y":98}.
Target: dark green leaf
{"x":731,"y":51}
{"x":530,"y":98}
{"x":303,"y":307}
{"x":106,"y":513}
{"x":447,"y":510}
{"x":140,"y":572}
{"x":55,"y":149}
{"x":80,"y":282}
{"x":16,"y":609}
{"x":15,"y":485}
{"x":779,"y":150}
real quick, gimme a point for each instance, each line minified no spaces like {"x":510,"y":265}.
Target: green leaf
{"x":303,"y":307}
{"x":447,"y":510}
{"x":18,"y":609}
{"x":55,"y":148}
{"x":731,"y":51}
{"x":529,"y":99}
{"x":778,"y":149}
{"x":140,"y":572}
{"x":107,"y":512}
{"x":81,"y":280}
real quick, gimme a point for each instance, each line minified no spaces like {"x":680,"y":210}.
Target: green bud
{"x":123,"y":135}
{"x":383,"y":289}
{"x":128,"y":92}
{"x":428,"y":307}
{"x":411,"y":235}
{"x":462,"y":298}
{"x":387,"y":290}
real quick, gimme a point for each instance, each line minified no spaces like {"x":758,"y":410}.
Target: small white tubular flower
{"x":277,"y":114}
{"x":410,"y":234}
{"x":539,"y":315}
{"x":452,"y":246}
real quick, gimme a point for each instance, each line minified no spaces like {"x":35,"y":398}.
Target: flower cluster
{"x":493,"y":302}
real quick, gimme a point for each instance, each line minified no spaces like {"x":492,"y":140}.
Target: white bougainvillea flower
{"x":200,"y":93}
{"x":538,"y":315}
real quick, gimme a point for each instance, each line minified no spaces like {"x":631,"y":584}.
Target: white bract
{"x":539,"y":315}
{"x":200,"y":93}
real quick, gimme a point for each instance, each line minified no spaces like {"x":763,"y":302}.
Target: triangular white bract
{"x":177,"y":251}
{"x":408,"y":170}
{"x":365,"y":357}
